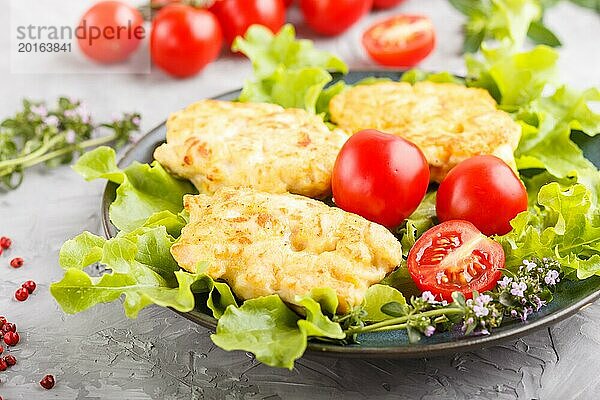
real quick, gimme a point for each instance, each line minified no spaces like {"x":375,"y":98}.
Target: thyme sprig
{"x":517,"y":296}
{"x":38,"y":134}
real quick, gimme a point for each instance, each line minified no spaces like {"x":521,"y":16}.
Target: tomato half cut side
{"x":455,"y":257}
{"x":400,"y":41}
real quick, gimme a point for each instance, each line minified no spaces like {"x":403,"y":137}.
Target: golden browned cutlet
{"x":263,"y":244}
{"x":264,"y":146}
{"x":448,"y":122}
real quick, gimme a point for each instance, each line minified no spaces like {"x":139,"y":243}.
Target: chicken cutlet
{"x":285,"y":244}
{"x":264,"y":146}
{"x":448,"y":122}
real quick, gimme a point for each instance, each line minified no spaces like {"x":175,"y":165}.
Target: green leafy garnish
{"x":565,"y":225}
{"x":143,"y":191}
{"x":269,"y":329}
{"x":142,"y":269}
{"x":508,"y":21}
{"x":54,"y":137}
{"x":288,"y":72}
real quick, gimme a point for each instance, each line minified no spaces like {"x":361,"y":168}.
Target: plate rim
{"x":468,"y":343}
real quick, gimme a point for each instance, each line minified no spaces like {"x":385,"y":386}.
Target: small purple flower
{"x":51,"y":120}
{"x":530,"y":265}
{"x":526,"y":312}
{"x":504,"y":282}
{"x":70,"y":113}
{"x":428,"y":297}
{"x":518,"y":289}
{"x":513,"y":313}
{"x":483,"y":299}
{"x":39,"y":110}
{"x":430,"y":330}
{"x":70,"y":137}
{"x":551,"y":277}
{"x":116,"y":117}
{"x":539,"y":303}
{"x":136,"y":121}
{"x":469,"y":321}
{"x":485,"y":332}
{"x":83,"y":113}
{"x":480,"y":311}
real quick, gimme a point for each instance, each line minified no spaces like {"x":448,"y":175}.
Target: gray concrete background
{"x":100,"y":354}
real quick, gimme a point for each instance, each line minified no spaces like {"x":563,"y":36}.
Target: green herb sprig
{"x":55,"y":136}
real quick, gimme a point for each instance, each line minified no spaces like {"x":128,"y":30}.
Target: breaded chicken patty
{"x":263,"y":244}
{"x":264,"y":146}
{"x":449,"y":122}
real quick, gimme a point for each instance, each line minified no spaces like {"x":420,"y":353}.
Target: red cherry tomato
{"x":331,"y":17}
{"x":110,"y":31}
{"x":455,"y":257}
{"x":236,"y":16}
{"x":400,"y":41}
{"x":483,"y":190}
{"x":379,"y":176}
{"x":381,"y":4}
{"x":184,"y":39}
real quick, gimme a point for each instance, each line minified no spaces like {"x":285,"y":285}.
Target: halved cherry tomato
{"x":236,"y":16}
{"x":483,"y":190}
{"x":332,"y":17}
{"x":386,"y":3}
{"x":400,"y":41}
{"x":455,"y":257}
{"x":380,"y":177}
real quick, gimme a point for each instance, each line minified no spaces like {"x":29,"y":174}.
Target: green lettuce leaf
{"x":546,"y":142}
{"x":497,"y":72}
{"x":416,"y":75}
{"x":269,"y":52}
{"x":508,"y":22}
{"x":401,"y":280}
{"x":288,"y":88}
{"x":288,"y":72}
{"x":275,"y":334}
{"x":77,"y":291}
{"x":316,"y":323}
{"x":142,"y":269}
{"x":322,"y":106}
{"x":81,"y":251}
{"x":565,"y":225}
{"x":264,"y":326}
{"x":143,"y":191}
{"x":100,"y":163}
{"x":419,"y":221}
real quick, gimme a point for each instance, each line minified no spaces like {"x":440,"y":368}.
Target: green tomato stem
{"x":400,"y":322}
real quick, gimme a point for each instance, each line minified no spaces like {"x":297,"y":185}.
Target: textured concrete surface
{"x":100,"y":354}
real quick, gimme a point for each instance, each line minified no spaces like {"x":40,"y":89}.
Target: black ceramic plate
{"x":573,"y":296}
